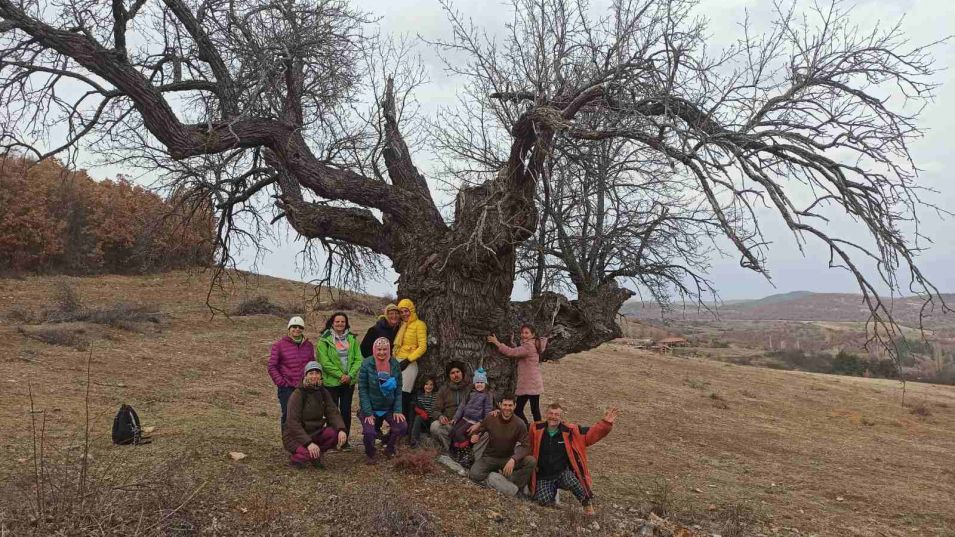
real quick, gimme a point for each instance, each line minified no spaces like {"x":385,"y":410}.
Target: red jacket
{"x":576,"y":441}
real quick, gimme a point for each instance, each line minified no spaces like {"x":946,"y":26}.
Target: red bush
{"x":416,"y":461}
{"x":56,"y":220}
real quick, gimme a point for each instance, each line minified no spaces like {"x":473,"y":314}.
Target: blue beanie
{"x":480,"y":376}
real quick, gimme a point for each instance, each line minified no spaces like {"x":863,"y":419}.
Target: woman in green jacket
{"x":340,"y":355}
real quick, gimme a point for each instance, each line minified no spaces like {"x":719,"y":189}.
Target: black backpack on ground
{"x":126,"y":427}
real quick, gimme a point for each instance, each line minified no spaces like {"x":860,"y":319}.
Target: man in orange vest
{"x":561,"y":452}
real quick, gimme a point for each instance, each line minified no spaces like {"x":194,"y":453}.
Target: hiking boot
{"x":371,"y":460}
{"x":345,"y":447}
{"x":589,"y":510}
{"x":319,"y":462}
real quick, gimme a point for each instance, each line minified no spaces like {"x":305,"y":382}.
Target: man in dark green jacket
{"x":379,"y":394}
{"x":454,"y":392}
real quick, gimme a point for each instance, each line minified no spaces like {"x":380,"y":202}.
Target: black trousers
{"x":342,"y":395}
{"x":284,"y":392}
{"x":535,"y":401}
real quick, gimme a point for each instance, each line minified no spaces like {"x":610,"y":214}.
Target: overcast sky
{"x":925,"y":21}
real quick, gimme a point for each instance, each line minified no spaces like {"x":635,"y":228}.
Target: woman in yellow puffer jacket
{"x":411,"y":342}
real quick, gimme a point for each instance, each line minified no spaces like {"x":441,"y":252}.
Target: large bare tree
{"x":248,"y":97}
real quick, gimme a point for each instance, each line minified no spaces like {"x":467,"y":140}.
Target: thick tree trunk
{"x":464,"y":302}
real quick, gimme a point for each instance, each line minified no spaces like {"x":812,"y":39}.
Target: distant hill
{"x":801,"y":306}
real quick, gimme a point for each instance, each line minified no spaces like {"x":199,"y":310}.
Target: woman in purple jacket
{"x":287,"y":361}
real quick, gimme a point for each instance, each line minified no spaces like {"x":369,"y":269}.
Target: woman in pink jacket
{"x":530,"y":381}
{"x":287,"y":362}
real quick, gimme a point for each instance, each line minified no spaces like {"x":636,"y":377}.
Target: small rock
{"x":698,"y":491}
{"x":452,"y":465}
{"x":711,"y":507}
{"x":237,"y":455}
{"x":495,"y":516}
{"x":148,"y":430}
{"x":22,"y":461}
{"x":498,"y":482}
{"x":595,"y":526}
{"x":839,"y":498}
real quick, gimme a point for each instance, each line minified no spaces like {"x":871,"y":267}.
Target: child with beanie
{"x":468,"y":417}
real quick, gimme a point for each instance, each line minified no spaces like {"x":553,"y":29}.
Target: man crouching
{"x":561,"y":452}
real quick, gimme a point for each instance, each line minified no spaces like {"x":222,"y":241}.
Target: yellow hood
{"x":407,"y":303}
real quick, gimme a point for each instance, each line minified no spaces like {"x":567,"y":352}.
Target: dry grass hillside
{"x":735,"y":450}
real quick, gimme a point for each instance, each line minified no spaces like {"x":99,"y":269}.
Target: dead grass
{"x":785,"y":449}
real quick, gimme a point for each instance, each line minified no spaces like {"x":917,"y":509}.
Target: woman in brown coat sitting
{"x":313,"y":421}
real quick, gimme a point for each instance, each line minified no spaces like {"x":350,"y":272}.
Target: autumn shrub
{"x":260,"y":305}
{"x":367,"y":305}
{"x":848,"y":364}
{"x":65,"y":299}
{"x":662,"y":498}
{"x":737,"y":520}
{"x":55,"y":220}
{"x":814,"y":362}
{"x":719,"y":401}
{"x":921,"y":410}
{"x":416,"y":461}
{"x":21,"y":315}
{"x":122,"y":315}
{"x":56,"y":335}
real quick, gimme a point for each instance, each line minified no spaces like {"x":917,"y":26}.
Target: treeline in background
{"x":57,"y":220}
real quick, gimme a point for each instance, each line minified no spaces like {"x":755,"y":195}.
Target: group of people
{"x":316,"y":384}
